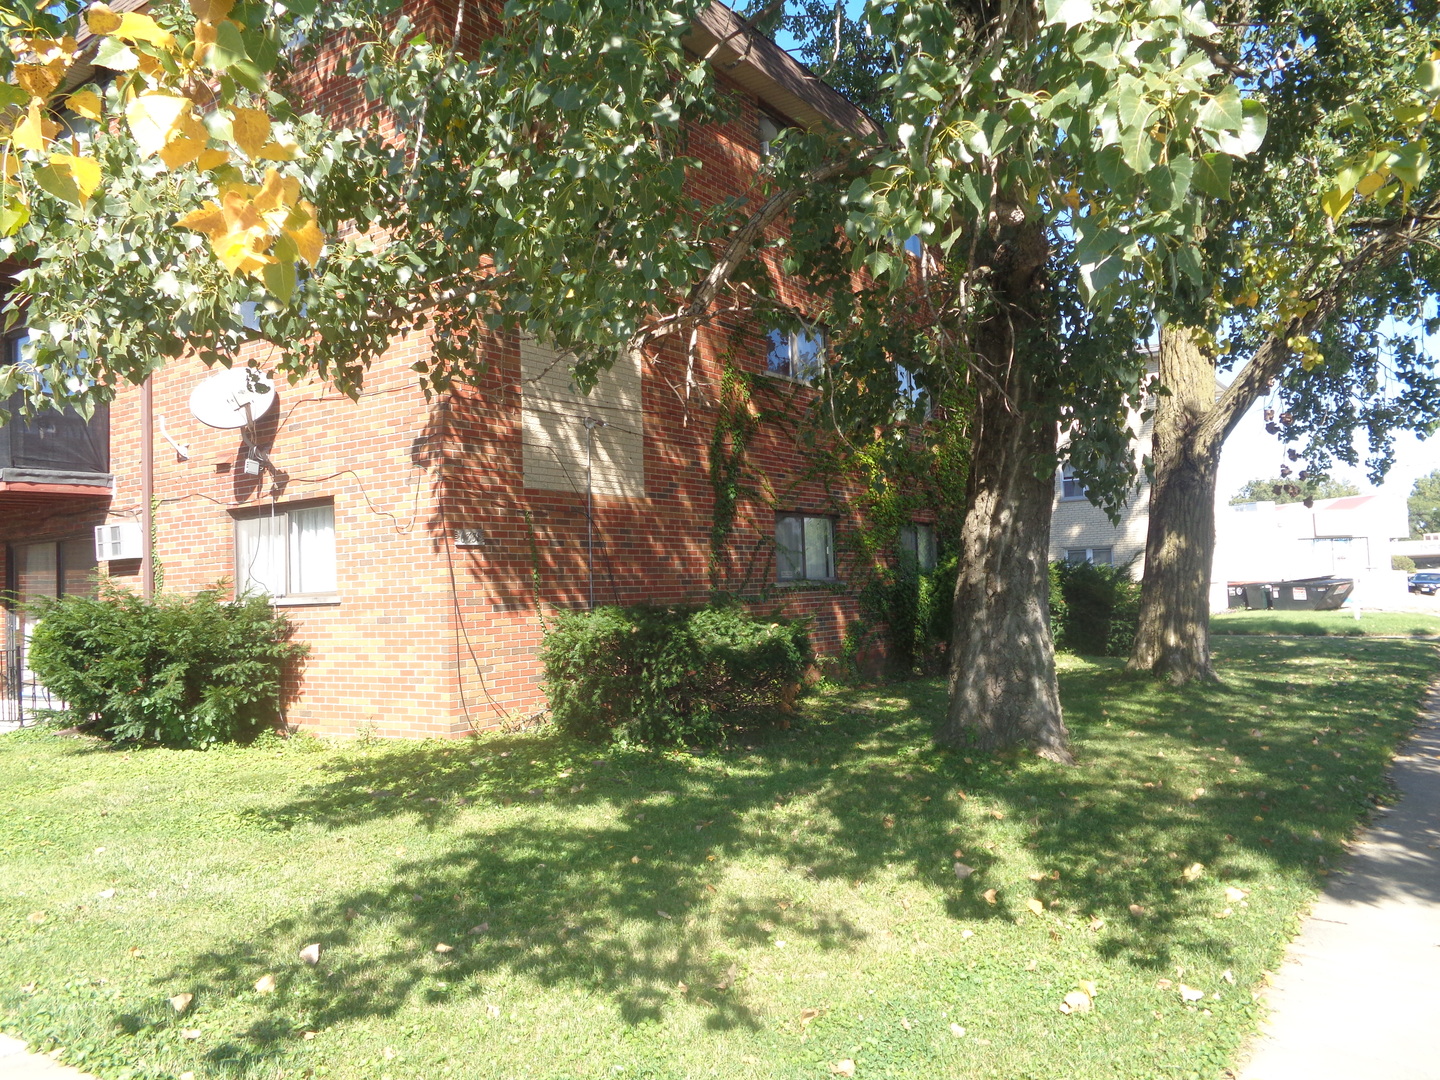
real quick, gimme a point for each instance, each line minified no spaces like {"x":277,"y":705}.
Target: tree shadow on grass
{"x":600,"y":875}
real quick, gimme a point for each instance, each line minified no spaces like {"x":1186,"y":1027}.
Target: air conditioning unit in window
{"x":118,"y":541}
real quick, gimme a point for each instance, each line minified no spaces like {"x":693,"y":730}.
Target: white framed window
{"x":1103,"y":555}
{"x":917,"y":543}
{"x":804,"y":547}
{"x":796,"y":354}
{"x":767,"y":130}
{"x":288,"y":554}
{"x":1071,"y":486}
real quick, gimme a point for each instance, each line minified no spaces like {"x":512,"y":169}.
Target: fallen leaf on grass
{"x":806,"y":1015}
{"x":1097,"y":923}
{"x":966,"y":934}
{"x":28,"y":988}
{"x":1193,"y":872}
{"x":998,"y":815}
{"x":1136,"y":909}
{"x":1035,"y":905}
{"x":728,"y":979}
{"x":311,"y":954}
{"x":1235,"y":895}
{"x":962,"y":871}
{"x":105,"y":894}
{"x":843,"y":1068}
{"x":35,"y":917}
{"x":682,"y":988}
{"x":957,"y":1031}
{"x":443,"y":948}
{"x":663,"y":914}
{"x":991,"y":896}
{"x":190,"y":1033}
{"x":888,"y":821}
{"x":1189,"y":993}
{"x":181,"y":1002}
{"x":1076,"y":1001}
{"x":492,"y":1011}
{"x":476,"y":931}
{"x":307,"y":1036}
{"x":265,"y":984}
{"x":1228,"y":976}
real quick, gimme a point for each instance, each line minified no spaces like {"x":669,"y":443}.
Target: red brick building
{"x":417,"y":545}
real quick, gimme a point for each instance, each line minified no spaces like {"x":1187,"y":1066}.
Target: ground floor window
{"x":287,"y":552}
{"x":1102,"y":555}
{"x":804,"y":547}
{"x":917,"y":543}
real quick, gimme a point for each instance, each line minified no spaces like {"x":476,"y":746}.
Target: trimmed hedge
{"x":659,"y":676}
{"x":1097,"y":608}
{"x":175,"y":671}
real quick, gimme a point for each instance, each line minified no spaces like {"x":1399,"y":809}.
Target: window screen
{"x":804,"y":547}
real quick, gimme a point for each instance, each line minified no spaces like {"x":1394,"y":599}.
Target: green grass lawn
{"x":520,"y":906}
{"x":1323,"y":623}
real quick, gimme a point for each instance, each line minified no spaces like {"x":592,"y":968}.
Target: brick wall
{"x":429,"y":638}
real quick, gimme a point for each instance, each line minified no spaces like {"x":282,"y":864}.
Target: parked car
{"x":1425,"y":582}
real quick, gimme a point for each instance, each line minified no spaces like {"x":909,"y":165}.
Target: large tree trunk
{"x":1173,"y":637}
{"x":1002,"y":659}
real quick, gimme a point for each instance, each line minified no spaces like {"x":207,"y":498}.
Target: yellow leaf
{"x":101,"y":20}
{"x":1193,"y":872}
{"x":209,"y":219}
{"x":274,"y":151}
{"x":137,"y":27}
{"x":1335,"y":202}
{"x":187,"y":141}
{"x":152,"y":116}
{"x":1035,"y":905}
{"x":265,"y":984}
{"x":181,"y":1002}
{"x":251,"y":129}
{"x":211,"y":159}
{"x":991,"y":896}
{"x":40,"y":80}
{"x":34,"y":131}
{"x":309,"y":240}
{"x":1370,"y":184}
{"x":240,"y":252}
{"x":276,"y":191}
{"x":211,"y":10}
{"x":205,"y":36}
{"x":86,"y":103}
{"x":1076,"y":1001}
{"x":845,"y":1067}
{"x":1235,"y":895}
{"x":178,"y":153}
{"x":9,"y":165}
{"x":84,"y":171}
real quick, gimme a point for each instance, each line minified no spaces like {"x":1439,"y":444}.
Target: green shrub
{"x":1402,"y":562}
{"x":911,"y":611}
{"x":1097,"y":611}
{"x":175,"y":671}
{"x":658,"y":676}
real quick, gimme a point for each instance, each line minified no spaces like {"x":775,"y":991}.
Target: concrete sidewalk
{"x":1359,"y":993}
{"x":16,"y":1064}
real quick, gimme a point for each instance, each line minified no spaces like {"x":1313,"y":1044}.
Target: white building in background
{"x":1349,"y":537}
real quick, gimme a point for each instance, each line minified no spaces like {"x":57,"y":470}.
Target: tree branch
{"x":1385,"y":245}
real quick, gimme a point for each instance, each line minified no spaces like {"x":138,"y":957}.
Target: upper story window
{"x":1071,"y":486}
{"x":1104,"y":556}
{"x":287,"y":554}
{"x":57,"y":443}
{"x":767,"y":130}
{"x":917,"y":546}
{"x":796,"y":354}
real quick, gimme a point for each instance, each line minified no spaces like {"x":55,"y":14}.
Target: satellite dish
{"x":233,"y":398}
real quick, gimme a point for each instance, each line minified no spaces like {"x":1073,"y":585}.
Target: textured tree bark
{"x":1002,"y":659}
{"x":1003,"y":691}
{"x":1173,"y":636}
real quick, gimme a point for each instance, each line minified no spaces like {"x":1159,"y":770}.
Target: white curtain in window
{"x":260,"y":555}
{"x":312,"y":550}
{"x":819,"y":540}
{"x":789,"y":548}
